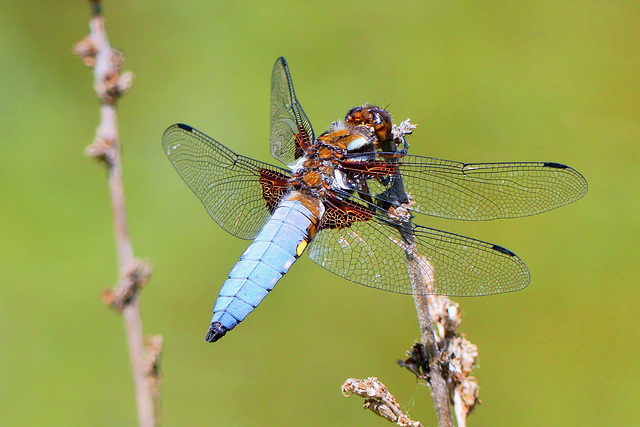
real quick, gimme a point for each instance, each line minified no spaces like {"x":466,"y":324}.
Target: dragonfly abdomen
{"x":280,"y":243}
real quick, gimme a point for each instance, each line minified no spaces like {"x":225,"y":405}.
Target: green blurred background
{"x":485,"y":81}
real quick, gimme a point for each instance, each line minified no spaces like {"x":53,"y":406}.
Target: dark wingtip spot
{"x":185,"y":127}
{"x":216,"y":331}
{"x":555,"y":165}
{"x":503,"y":250}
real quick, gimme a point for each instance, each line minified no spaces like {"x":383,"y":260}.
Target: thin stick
{"x":379,"y":400}
{"x":421,"y":286}
{"x":110,"y":84}
{"x":457,"y":353}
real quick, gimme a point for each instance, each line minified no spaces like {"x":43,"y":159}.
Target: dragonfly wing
{"x":239,"y":193}
{"x":372,"y":252}
{"x":462,"y":266}
{"x":291,"y":131}
{"x":484,"y":191}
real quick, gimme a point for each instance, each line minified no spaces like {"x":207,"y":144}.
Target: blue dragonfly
{"x":338,"y":199}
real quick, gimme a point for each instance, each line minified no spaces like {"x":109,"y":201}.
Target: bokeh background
{"x":484,"y":81}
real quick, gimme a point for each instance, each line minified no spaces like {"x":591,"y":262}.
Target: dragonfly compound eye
{"x":372,"y":117}
{"x":354,"y":116}
{"x":381,"y":123}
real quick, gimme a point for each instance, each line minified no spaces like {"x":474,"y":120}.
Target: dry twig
{"x":378,"y":399}
{"x":110,"y":83}
{"x":457,"y":357}
{"x":421,"y":285}
{"x":153,"y":347}
{"x":443,"y":358}
{"x":436,"y":375}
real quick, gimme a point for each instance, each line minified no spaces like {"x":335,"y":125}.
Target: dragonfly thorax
{"x":319,"y":170}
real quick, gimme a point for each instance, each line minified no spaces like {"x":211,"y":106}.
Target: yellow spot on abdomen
{"x":301,"y":247}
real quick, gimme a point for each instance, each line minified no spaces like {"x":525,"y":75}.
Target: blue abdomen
{"x":275,"y":249}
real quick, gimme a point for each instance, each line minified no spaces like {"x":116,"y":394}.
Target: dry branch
{"x":457,"y":357}
{"x":436,"y":376}
{"x":111,"y":83}
{"x":443,"y":358}
{"x":378,"y":400}
{"x":429,"y":366}
{"x":421,"y":285}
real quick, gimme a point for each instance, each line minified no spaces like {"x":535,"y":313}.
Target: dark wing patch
{"x":274,"y":186}
{"x":370,"y":169}
{"x":343,"y":213}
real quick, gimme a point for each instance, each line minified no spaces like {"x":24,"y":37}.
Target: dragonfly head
{"x":374,"y":118}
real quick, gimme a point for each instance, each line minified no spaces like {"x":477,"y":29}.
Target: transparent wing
{"x":237,"y":192}
{"x":291,"y":131}
{"x":484,"y":191}
{"x":372,"y":253}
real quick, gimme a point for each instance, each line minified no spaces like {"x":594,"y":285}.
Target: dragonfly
{"x":347,"y":198}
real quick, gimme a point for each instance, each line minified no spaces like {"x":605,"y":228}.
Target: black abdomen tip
{"x":216,"y":331}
